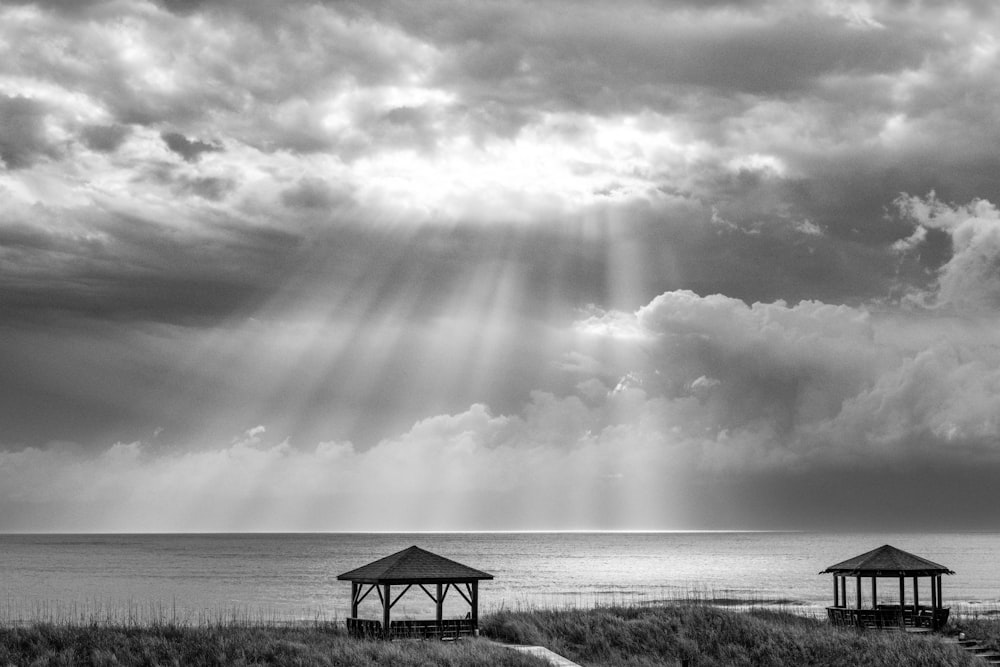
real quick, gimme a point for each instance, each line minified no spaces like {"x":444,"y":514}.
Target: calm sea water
{"x":291,"y":577}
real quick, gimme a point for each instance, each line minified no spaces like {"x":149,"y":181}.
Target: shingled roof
{"x":414,"y":566}
{"x":887,"y":561}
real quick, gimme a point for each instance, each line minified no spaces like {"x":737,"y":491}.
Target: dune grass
{"x":984,"y":629}
{"x":237,"y":644}
{"x":709,"y":636}
{"x":609,"y":636}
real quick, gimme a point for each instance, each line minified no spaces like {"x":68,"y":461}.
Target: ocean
{"x":292,"y":577}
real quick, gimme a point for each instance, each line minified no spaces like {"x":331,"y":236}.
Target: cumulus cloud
{"x":468,"y":470}
{"x":971,"y":277}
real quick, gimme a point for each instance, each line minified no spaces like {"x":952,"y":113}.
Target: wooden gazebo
{"x":408,"y":568}
{"x":883,"y":563}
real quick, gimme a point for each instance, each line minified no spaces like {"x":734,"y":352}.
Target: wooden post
{"x":836,"y":592}
{"x":934,"y":602}
{"x":440,"y":605}
{"x":475,"y":605}
{"x":858,"y":580}
{"x":354,"y":598}
{"x":916,"y":597}
{"x":386,"y":608}
{"x":902,"y":599}
{"x":843,"y":591}
{"x":874,"y":593}
{"x":940,"y":601}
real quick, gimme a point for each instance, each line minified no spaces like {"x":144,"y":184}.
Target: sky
{"x":499,"y":265}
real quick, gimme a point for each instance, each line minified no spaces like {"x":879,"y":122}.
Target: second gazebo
{"x":887,"y":562}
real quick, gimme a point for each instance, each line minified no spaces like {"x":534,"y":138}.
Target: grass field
{"x":613,"y":636}
{"x":710,"y":636}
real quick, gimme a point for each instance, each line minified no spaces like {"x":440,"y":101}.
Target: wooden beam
{"x":836,"y":592}
{"x":462,"y":593}
{"x":916,"y":595}
{"x":408,"y":586}
{"x":858,"y":580}
{"x":902,"y":592}
{"x":354,"y":599}
{"x":940,"y":600}
{"x":843,"y":590}
{"x":874,"y":592}
{"x":429,"y":594}
{"x":362,"y":598}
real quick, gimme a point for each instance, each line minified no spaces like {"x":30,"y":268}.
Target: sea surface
{"x":291,"y":577}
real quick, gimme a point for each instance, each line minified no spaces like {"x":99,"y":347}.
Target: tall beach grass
{"x":708,"y":636}
{"x":707,"y":628}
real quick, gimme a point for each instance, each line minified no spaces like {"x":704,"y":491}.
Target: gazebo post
{"x":940,"y":601}
{"x":857,"y":579}
{"x":902,"y":593}
{"x":843,"y":590}
{"x":440,"y":605}
{"x":874,"y":593}
{"x":836,"y":592}
{"x":354,"y":599}
{"x":916,"y":596}
{"x":386,"y":608}
{"x":475,"y":606}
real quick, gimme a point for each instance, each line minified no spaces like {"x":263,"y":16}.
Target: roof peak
{"x":887,"y":560}
{"x":414,"y":565}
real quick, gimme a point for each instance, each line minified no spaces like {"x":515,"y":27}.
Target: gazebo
{"x":887,"y":562}
{"x":408,"y":568}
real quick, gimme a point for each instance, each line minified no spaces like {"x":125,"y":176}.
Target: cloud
{"x":22,"y":132}
{"x":104,"y":138}
{"x":338,"y":219}
{"x":189,"y":149}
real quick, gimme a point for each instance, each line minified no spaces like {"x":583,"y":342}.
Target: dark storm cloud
{"x":189,"y":149}
{"x":104,"y":138}
{"x":22,"y":132}
{"x":125,"y":268}
{"x":587,"y":55}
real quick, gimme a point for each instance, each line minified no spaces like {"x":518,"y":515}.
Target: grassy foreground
{"x":709,"y":636}
{"x":99,"y":645}
{"x":605,"y":636}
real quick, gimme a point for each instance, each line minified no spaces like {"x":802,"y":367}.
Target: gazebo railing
{"x":444,"y":629}
{"x":363,"y":628}
{"x":889,"y":617}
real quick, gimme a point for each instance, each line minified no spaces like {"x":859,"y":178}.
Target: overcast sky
{"x":499,"y":265}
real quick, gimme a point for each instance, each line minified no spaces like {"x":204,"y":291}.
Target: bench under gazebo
{"x":434,"y":575}
{"x":888,"y":562}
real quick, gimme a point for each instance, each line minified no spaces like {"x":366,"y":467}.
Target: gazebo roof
{"x":414,"y":566}
{"x":887,"y":561}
